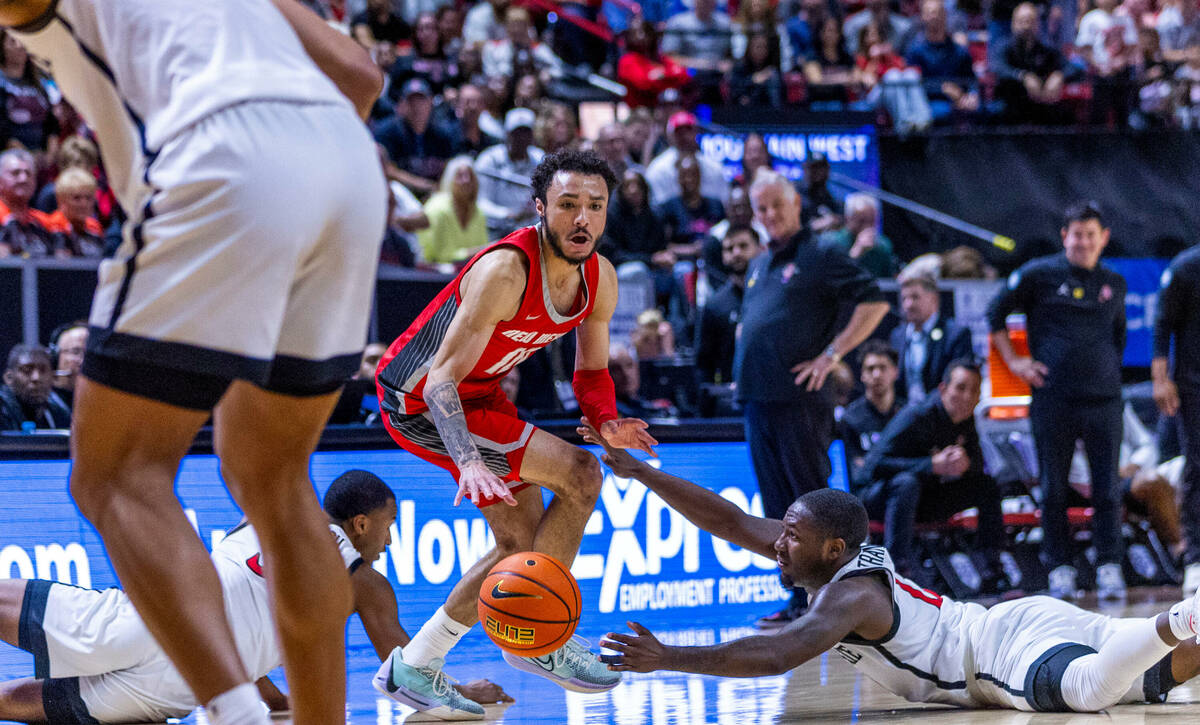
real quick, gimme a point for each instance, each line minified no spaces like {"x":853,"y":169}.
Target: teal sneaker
{"x":427,"y":689}
{"x":572,"y":667}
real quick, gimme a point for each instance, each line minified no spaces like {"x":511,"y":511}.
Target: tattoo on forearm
{"x":446,"y":409}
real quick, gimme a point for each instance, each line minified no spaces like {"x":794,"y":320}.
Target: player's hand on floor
{"x":477,"y":483}
{"x":629,"y":433}
{"x":485,"y":692}
{"x":619,"y":460}
{"x":640,"y":652}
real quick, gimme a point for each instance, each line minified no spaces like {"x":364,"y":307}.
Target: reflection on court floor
{"x":827,"y":690}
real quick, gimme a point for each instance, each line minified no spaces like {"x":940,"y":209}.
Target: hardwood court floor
{"x":827,"y":690}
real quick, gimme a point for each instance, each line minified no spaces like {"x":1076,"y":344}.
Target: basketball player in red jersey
{"x":439,"y":390}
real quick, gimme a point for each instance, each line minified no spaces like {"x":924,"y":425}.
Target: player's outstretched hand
{"x":485,"y":692}
{"x":618,"y":459}
{"x":640,"y":652}
{"x":629,"y":433}
{"x":477,"y":483}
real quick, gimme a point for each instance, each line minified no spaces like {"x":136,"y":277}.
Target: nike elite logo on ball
{"x":522,"y":636}
{"x":498,"y":593}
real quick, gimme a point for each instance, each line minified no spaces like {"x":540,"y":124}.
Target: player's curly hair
{"x":356,"y":492}
{"x":588,"y":163}
{"x":838,"y":514}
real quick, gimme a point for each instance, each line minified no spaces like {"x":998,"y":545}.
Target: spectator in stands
{"x":801,"y":30}
{"x":645,"y":134}
{"x":27,"y":395}
{"x":759,"y":17}
{"x":457,"y":227}
{"x":755,"y":156}
{"x":861,"y":239}
{"x":372,"y":354}
{"x":75,"y":151}
{"x":555,"y":128}
{"x":756,"y":80}
{"x":504,"y":172}
{"x":528,"y":92}
{"x":653,"y":338}
{"x":1075,"y":320}
{"x":23,"y":229}
{"x":627,"y":379}
{"x":450,"y":29}
{"x":820,"y":210}
{"x":76,"y":231}
{"x":1187,"y":89}
{"x":1029,"y":73}
{"x":700,"y":40}
{"x":738,"y":213}
{"x":895,"y":25}
{"x":718,"y":320}
{"x":865,"y":418}
{"x":378,"y":23}
{"x":613,"y":147}
{"x":1107,"y":41}
{"x":405,"y":217}
{"x":1152,"y":75}
{"x":643,"y":69}
{"x":797,"y":297}
{"x":28,"y":108}
{"x":472,"y":139}
{"x":926,"y":340}
{"x":662,"y":173}
{"x":427,"y":59}
{"x":874,"y":57}
{"x":633,"y":232}
{"x":1177,"y":386}
{"x":1179,"y":27}
{"x":946,"y":67}
{"x":829,"y":70}
{"x":689,"y":216}
{"x":927,"y":466}
{"x":519,"y":51}
{"x":485,"y":22}
{"x":965,"y":262}
{"x":417,"y":148}
{"x":67,"y":344}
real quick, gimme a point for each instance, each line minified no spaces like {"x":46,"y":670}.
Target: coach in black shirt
{"x":795,"y":296}
{"x":1075,"y":318}
{"x":928,"y":466}
{"x":1177,"y":391}
{"x":864,"y":419}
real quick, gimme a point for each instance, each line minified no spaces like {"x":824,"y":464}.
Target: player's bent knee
{"x":586,"y":476}
{"x":512,"y":542}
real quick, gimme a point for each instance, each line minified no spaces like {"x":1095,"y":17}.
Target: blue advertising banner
{"x":639,"y":559}
{"x":851,"y":150}
{"x":1142,"y":277}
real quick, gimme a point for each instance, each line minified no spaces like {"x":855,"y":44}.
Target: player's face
{"x":778,"y":209}
{"x":1084,"y":241}
{"x":961,"y":394}
{"x":798,"y":549}
{"x":879,"y":373}
{"x":376,"y":533}
{"x":574,"y":214}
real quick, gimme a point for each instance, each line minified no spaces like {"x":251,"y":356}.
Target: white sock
{"x":436,"y":638}
{"x":1096,"y":681}
{"x":1183,"y":624}
{"x":239,"y":706}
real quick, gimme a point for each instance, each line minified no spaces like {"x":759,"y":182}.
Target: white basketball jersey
{"x":238,"y":559}
{"x":924,"y":656}
{"x":141,"y":71}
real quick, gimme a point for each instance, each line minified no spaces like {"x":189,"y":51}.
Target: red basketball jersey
{"x":401,"y":373}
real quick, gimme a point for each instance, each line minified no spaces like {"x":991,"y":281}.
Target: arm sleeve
{"x":596,"y":395}
{"x":1013,"y":298}
{"x":1167,"y":311}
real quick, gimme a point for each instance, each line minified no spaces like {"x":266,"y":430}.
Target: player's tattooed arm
{"x":446,"y":409}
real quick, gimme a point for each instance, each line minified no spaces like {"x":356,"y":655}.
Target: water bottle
{"x":28,"y":426}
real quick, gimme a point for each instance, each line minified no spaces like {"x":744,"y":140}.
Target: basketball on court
{"x":529,"y":604}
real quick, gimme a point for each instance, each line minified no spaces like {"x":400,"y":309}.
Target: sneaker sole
{"x":423,"y":706}
{"x":572,"y":684}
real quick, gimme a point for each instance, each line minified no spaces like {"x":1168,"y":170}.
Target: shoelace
{"x":574,"y":653}
{"x":442,"y":683}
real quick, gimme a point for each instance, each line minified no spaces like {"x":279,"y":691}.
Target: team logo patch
{"x":1077,"y":293}
{"x":936,"y":334}
{"x":1106,"y":293}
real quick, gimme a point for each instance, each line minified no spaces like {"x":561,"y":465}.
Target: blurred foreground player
{"x":241,"y":291}
{"x":1032,"y":654}
{"x":94,"y":660}
{"x":439,"y":390}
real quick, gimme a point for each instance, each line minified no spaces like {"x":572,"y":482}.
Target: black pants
{"x":1189,"y":434}
{"x":908,"y":498}
{"x":1056,"y":425}
{"x":789,"y":447}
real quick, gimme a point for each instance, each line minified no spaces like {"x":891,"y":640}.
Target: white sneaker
{"x":1196,"y":612}
{"x":1062,"y":582}
{"x":1191,"y":579}
{"x":572,"y":667}
{"x":427,"y":689}
{"x":1110,"y":582}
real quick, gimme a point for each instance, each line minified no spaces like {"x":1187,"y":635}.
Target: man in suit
{"x":927,"y":340}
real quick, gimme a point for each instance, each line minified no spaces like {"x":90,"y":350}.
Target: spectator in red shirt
{"x":643,"y":70}
{"x":23,"y":230}
{"x":77,"y":232}
{"x":875,"y":56}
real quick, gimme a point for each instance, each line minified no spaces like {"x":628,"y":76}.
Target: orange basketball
{"x":529,"y":604}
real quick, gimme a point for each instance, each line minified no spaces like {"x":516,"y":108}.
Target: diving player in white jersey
{"x":1032,"y":654}
{"x":242,"y":291}
{"x":94,"y":660}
